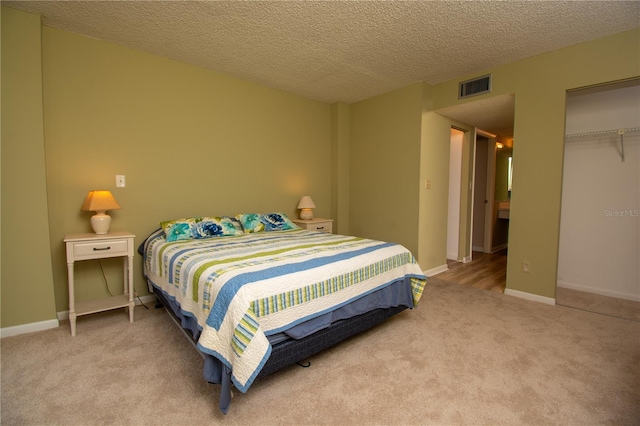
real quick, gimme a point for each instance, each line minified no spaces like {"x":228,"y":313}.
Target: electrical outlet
{"x":526,"y":266}
{"x":120,"y":182}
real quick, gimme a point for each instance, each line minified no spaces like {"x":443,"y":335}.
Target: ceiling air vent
{"x":476,"y":86}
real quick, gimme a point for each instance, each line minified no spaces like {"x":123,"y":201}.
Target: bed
{"x":257,"y":293}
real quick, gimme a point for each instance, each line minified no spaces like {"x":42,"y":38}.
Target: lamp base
{"x":306,"y":214}
{"x":101,"y":222}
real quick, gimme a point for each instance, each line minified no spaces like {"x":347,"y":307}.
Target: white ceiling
{"x":343,"y":51}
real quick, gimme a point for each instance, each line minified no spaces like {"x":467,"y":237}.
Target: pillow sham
{"x":209,"y":227}
{"x":250,"y":222}
{"x":255,"y":222}
{"x":200,"y":228}
{"x":177,"y":230}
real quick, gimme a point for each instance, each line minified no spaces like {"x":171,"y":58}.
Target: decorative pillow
{"x":177,"y":230}
{"x":277,"y":222}
{"x":254,"y":222}
{"x":250,"y":222}
{"x":200,"y":227}
{"x":208,"y":227}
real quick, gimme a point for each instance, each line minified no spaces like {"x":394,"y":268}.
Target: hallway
{"x":486,"y":271}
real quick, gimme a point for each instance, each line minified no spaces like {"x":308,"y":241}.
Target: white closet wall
{"x":600,"y":217}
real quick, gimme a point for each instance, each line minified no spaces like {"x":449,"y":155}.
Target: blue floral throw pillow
{"x":200,"y":228}
{"x":277,"y":222}
{"x":209,"y":227}
{"x":254,"y":222}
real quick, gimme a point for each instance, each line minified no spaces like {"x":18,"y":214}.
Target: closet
{"x":599,"y":250}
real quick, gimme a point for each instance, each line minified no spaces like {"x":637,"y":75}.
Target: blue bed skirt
{"x":306,"y":339}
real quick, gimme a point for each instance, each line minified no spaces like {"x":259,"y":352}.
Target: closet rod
{"x":602,"y":133}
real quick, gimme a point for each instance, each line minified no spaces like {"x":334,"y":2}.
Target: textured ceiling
{"x":341,"y":50}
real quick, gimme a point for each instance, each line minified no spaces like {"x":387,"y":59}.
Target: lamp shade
{"x":306,"y":203}
{"x":100,"y":202}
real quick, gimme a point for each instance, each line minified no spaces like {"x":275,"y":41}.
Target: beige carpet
{"x":612,"y":306}
{"x":464,"y":356}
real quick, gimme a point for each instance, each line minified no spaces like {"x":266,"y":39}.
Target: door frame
{"x":490,"y":187}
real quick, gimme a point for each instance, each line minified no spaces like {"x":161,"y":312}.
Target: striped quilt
{"x":243,"y":288}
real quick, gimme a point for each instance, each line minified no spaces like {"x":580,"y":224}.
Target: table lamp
{"x":100,"y":202}
{"x":305,"y":205}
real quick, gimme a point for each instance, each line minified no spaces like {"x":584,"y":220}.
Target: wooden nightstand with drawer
{"x":316,"y":224}
{"x":93,"y":246}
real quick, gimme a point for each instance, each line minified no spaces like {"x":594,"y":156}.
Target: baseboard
{"x":466,"y":259}
{"x":28,"y":328}
{"x":150,"y":298}
{"x":437,"y":270}
{"x":530,"y":296}
{"x":498,"y":248}
{"x":49,"y":324}
{"x":478,"y":248}
{"x":599,"y":291}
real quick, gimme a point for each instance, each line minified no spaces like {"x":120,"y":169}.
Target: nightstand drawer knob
{"x":101,"y":248}
{"x":320,"y":227}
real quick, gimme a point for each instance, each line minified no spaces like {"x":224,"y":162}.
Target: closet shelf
{"x":605,"y":133}
{"x":600,"y":133}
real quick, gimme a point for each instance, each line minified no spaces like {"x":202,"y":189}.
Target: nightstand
{"x":91,"y":247}
{"x":315,"y":224}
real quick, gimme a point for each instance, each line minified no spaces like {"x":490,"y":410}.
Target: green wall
{"x":27,"y":285}
{"x":340,"y":147}
{"x":433,"y":206}
{"x":385,"y":167}
{"x":189,"y":141}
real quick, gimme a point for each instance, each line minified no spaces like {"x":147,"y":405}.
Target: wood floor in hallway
{"x":486,"y":271}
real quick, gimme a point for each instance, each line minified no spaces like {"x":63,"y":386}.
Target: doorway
{"x":478,"y":205}
{"x":474,"y":216}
